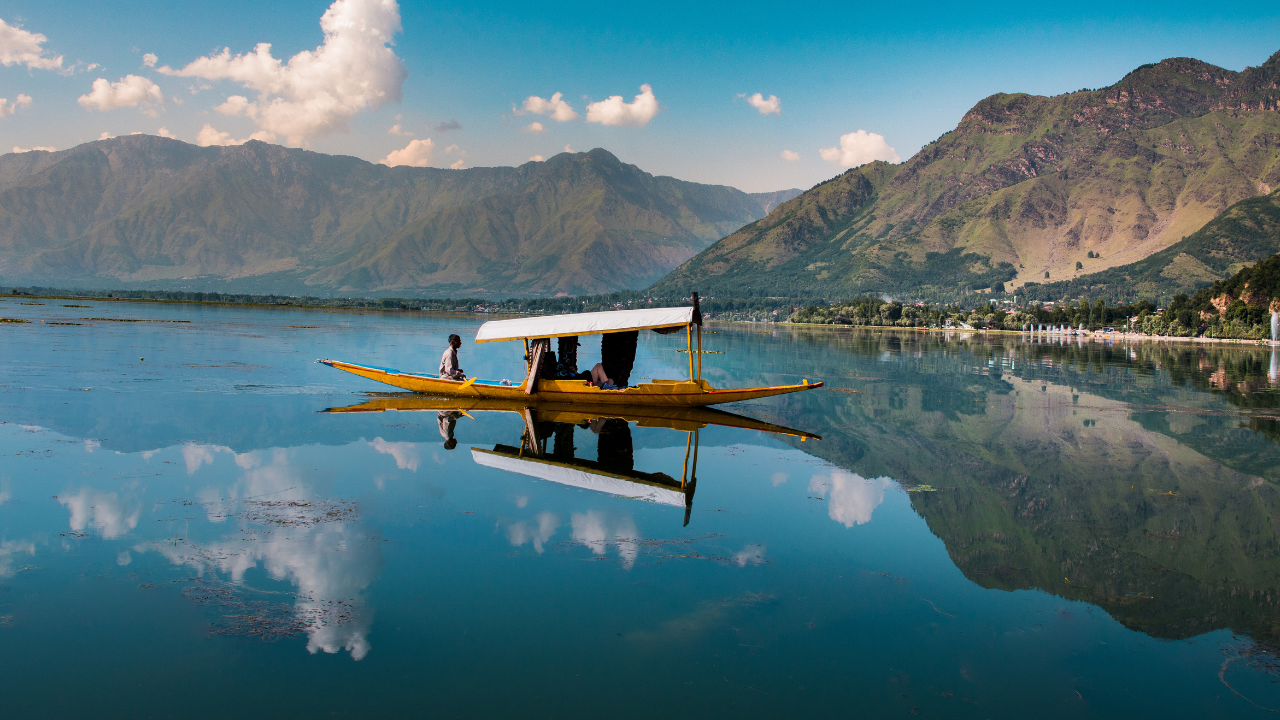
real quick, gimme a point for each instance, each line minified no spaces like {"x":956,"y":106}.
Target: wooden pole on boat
{"x":697,"y":320}
{"x":688,"y":331}
{"x":535,"y":363}
{"x":699,"y":352}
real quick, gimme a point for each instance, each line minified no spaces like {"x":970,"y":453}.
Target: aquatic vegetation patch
{"x":134,"y":320}
{"x":253,"y":612}
{"x":662,"y":550}
{"x":1257,"y":655}
{"x":13,"y":320}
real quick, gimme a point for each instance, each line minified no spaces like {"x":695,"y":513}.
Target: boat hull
{"x":681,"y":393}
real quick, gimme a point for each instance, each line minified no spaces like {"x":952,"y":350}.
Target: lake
{"x":989,"y":527}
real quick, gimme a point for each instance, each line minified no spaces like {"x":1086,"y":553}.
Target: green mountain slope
{"x":1247,"y":232}
{"x":1023,"y":186}
{"x":143,"y":210}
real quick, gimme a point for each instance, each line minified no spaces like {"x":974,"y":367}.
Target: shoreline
{"x":1088,"y":336}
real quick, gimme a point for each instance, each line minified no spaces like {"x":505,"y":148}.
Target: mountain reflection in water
{"x":1106,"y":473}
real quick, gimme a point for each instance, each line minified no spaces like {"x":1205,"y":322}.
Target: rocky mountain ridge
{"x":1024,"y":185}
{"x":149,"y":211}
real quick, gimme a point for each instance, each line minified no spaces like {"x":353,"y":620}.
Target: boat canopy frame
{"x":540,"y":328}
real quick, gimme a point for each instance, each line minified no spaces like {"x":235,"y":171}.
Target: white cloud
{"x":208,"y":135}
{"x":397,"y":130}
{"x":234,"y":105}
{"x":851,"y":498}
{"x":196,"y":455}
{"x":591,"y":529}
{"x":556,"y":107}
{"x":330,"y":563}
{"x":520,"y":533}
{"x":536,"y":158}
{"x":405,"y":453}
{"x":130,"y":91}
{"x":535,"y":127}
{"x":615,"y":112}
{"x":164,"y":133}
{"x":317,"y":91}
{"x":105,"y":135}
{"x":149,"y":60}
{"x":19,"y":47}
{"x":456,"y":164}
{"x":100,"y":510}
{"x":750,"y":555}
{"x":418,"y":153}
{"x":772,"y":106}
{"x":859,"y":148}
{"x":8,"y":108}
{"x":790,"y":156}
{"x":567,"y":148}
{"x":9,"y":548}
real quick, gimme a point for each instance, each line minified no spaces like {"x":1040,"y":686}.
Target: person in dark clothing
{"x":618,"y":356}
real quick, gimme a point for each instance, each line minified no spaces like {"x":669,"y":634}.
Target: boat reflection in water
{"x":548,"y":450}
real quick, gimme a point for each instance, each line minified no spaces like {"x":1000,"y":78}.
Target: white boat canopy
{"x":574,"y":477}
{"x":584,"y":324}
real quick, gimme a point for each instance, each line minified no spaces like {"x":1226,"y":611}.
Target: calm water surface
{"x":988,"y":528}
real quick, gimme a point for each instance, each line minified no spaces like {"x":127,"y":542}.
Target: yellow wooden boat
{"x":536,"y":332}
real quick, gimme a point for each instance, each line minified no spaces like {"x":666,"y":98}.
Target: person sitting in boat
{"x":449,"y":369}
{"x":601,"y":379}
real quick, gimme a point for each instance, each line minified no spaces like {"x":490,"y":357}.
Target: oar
{"x":468,"y":383}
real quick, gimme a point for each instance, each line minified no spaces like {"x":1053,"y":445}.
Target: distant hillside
{"x":1246,"y":232}
{"x":1025,"y":185}
{"x":147,"y":211}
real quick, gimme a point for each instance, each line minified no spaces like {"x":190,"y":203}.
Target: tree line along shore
{"x":1237,"y":308}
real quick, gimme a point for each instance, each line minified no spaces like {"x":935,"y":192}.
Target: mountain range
{"x":1164,"y":180}
{"x":1023,"y":189}
{"x":149,"y":211}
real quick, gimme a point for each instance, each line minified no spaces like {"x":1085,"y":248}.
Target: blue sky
{"x":906,"y":73}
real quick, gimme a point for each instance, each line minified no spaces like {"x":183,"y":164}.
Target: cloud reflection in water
{"x":312,"y":544}
{"x":851,"y":498}
{"x":101,"y":510}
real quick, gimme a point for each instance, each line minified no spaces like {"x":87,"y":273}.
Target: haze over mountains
{"x":1024,"y":186}
{"x":149,"y":211}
